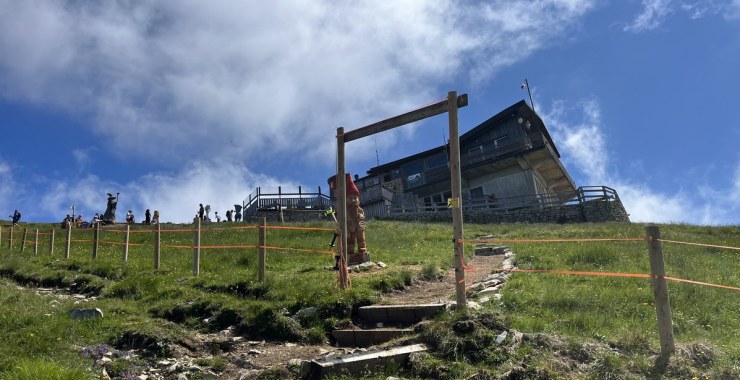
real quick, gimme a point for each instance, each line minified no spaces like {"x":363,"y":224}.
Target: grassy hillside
{"x":148,"y":309}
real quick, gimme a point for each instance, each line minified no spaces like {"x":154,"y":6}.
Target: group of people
{"x":148,"y":218}
{"x":231,"y":215}
{"x":78,"y":222}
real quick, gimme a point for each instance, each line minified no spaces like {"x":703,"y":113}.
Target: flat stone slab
{"x":357,"y":363}
{"x":399,"y":313}
{"x":366,"y":338}
{"x":491,"y":251}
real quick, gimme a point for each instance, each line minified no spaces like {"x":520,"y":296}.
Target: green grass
{"x":136,"y":299}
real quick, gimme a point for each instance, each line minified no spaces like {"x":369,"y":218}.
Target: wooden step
{"x":358,"y":363}
{"x":399,"y":313}
{"x":366,"y":338}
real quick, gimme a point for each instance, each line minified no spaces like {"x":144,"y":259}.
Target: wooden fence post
{"x":51,"y":242}
{"x":196,"y":247}
{"x":660,"y":290}
{"x":10,"y":241}
{"x":126,"y":236}
{"x":25,"y":236}
{"x":262,"y":249}
{"x":157,"y":234}
{"x":68,"y":243}
{"x":456,"y":200}
{"x":36,"y":243}
{"x":1,"y":236}
{"x":96,"y":237}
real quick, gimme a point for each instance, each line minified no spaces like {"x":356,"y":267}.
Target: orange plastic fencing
{"x":605,"y":274}
{"x":614,"y":274}
{"x":700,"y":244}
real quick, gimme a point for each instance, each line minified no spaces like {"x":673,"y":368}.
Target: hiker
{"x":147,"y":217}
{"x":238,"y":215}
{"x":228,"y":215}
{"x":218,"y":218}
{"x":201,"y":212}
{"x":130,"y":217}
{"x":16,"y":217}
{"x":155,"y":220}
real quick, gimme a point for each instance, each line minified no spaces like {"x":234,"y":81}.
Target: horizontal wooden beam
{"x":409,"y":117}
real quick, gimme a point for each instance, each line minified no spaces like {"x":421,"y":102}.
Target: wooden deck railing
{"x":581,"y":195}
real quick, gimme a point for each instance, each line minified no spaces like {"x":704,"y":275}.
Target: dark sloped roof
{"x":520,"y":108}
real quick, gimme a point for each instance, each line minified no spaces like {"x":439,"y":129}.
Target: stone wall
{"x":593,"y":211}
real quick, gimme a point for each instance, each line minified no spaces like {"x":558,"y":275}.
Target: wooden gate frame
{"x":450,"y":105}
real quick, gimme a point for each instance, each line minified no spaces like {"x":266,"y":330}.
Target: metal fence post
{"x":68,"y":243}
{"x":660,"y":290}
{"x":51,"y":242}
{"x":157,"y":230}
{"x":196,"y":247}
{"x":25,"y":236}
{"x":126,"y":238}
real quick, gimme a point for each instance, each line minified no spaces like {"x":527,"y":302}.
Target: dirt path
{"x":444,"y":289}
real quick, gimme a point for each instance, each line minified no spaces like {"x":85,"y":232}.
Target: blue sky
{"x":173,"y":104}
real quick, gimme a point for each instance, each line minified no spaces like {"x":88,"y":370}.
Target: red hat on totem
{"x":351,"y":188}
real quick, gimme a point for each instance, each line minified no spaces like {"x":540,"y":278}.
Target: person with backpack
{"x":16,"y":217}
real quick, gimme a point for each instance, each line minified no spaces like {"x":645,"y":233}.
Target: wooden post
{"x":157,"y":234}
{"x":196,"y":247}
{"x":660,"y":290}
{"x":36,"y":243}
{"x":1,"y":236}
{"x":124,"y":257}
{"x":262,"y":250}
{"x":341,"y":196}
{"x":25,"y":236}
{"x":51,"y":242}
{"x":67,"y":244}
{"x":10,"y":241}
{"x":456,"y":202}
{"x":96,"y":237}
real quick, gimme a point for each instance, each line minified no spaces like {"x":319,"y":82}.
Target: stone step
{"x":366,"y":338}
{"x":399,"y":313}
{"x":358,"y":363}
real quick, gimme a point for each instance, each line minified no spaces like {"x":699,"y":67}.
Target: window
{"x":413,"y":173}
{"x":395,"y":173}
{"x":477,"y":150}
{"x":372,"y":181}
{"x":436,"y":161}
{"x":503,"y":140}
{"x":477,"y":192}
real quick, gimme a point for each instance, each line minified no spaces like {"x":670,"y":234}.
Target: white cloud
{"x":198,"y":79}
{"x":584,"y":146}
{"x":654,"y":13}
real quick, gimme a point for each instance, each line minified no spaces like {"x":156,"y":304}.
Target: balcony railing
{"x":581,"y":195}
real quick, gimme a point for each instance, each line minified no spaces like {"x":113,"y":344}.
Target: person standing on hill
{"x":16,"y":217}
{"x":147,"y":217}
{"x":201,"y":212}
{"x":238,"y":214}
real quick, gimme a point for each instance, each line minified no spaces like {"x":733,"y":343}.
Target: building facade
{"x":507,"y":162}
